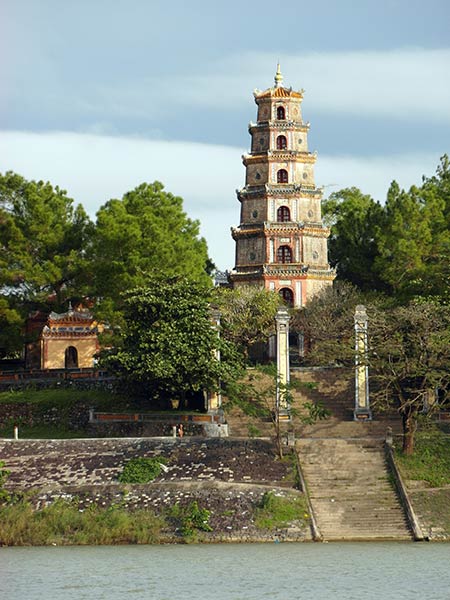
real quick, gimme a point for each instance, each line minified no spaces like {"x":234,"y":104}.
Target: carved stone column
{"x":362,"y":410}
{"x":214,"y":399}
{"x":283,"y":376}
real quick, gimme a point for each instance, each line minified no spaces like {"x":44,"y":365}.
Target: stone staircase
{"x":334,"y":390}
{"x":350,"y":489}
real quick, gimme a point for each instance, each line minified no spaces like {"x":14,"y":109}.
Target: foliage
{"x":408,"y":360}
{"x":145,"y":232}
{"x":4,"y":474}
{"x":45,"y":242}
{"x":11,"y":341}
{"x":401,"y":248}
{"x":169,"y":346}
{"x":261,"y":395}
{"x":327,"y":321}
{"x":352,"y":245}
{"x":277,"y":511}
{"x":430,"y":461}
{"x":409,"y":349}
{"x":192,"y":519}
{"x":247,"y":314}
{"x":142,"y":470}
{"x":64,"y":523}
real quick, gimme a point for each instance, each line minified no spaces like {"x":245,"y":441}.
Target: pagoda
{"x":281,"y":242}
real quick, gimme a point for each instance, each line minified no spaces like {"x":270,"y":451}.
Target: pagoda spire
{"x":278,"y":76}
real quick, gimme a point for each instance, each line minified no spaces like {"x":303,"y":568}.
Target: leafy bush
{"x":192,"y":519}
{"x":142,"y":470}
{"x":278,"y":511}
{"x":4,"y":474}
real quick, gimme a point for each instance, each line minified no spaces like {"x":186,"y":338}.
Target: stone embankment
{"x":228,"y":477}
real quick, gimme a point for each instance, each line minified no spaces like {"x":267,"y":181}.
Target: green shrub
{"x":279,"y":511}
{"x":191,"y":518}
{"x":142,"y":470}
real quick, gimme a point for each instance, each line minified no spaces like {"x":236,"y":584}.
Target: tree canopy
{"x":45,"y":242}
{"x":169,"y":347}
{"x":146,"y":232}
{"x":51,"y":252}
{"x":247,"y":314}
{"x":409,"y":348}
{"x":401,"y":248}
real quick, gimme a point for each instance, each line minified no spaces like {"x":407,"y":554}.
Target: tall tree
{"x":247,"y":314}
{"x":44,"y":241}
{"x":353,"y":218}
{"x":169,"y":346}
{"x":144,"y":233}
{"x":409,"y":349}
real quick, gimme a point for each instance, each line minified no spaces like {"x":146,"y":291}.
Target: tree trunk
{"x":409,"y":430}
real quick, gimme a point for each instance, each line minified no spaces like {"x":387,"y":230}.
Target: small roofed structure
{"x":65,"y":341}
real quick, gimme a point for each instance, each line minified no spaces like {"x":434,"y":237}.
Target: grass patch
{"x":279,"y":511}
{"x":430,"y":461}
{"x":142,"y":470}
{"x":63,"y":397}
{"x":433,"y":508}
{"x":62,"y":523}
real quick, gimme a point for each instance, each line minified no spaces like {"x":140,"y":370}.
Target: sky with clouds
{"x":98,"y":96}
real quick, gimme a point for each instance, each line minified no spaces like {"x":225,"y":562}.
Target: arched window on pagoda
{"x":282,"y":176}
{"x":281,"y":142}
{"x":281,"y":113}
{"x":284,"y":255}
{"x":288,"y":296}
{"x":283,"y":214}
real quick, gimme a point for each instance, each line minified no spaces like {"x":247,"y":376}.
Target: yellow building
{"x":66,"y":341}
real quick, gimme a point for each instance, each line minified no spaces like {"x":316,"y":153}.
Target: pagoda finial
{"x":278,"y":77}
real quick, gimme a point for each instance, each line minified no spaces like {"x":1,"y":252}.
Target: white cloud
{"x":94,"y":168}
{"x":409,"y":84}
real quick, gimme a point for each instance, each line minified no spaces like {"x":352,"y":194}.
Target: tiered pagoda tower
{"x":281,"y":242}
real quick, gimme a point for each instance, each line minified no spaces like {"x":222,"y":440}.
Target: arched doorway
{"x":288,"y":296}
{"x":71,"y":358}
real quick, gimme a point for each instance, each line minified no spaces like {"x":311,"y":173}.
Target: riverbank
{"x":73,"y":486}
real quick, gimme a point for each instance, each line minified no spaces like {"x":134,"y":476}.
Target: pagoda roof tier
{"x":286,"y":270}
{"x":71,"y":316}
{"x":287,"y":190}
{"x":277,"y":92}
{"x":280,"y":155}
{"x":297,"y":125}
{"x":268,"y":227}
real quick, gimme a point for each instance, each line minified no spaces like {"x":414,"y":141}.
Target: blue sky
{"x":98,"y":96}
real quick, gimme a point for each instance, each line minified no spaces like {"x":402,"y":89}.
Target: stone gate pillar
{"x":283,"y":376}
{"x":214,"y":399}
{"x":362,"y":410}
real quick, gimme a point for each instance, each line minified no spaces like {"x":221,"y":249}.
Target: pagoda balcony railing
{"x":285,"y":124}
{"x":278,"y":188}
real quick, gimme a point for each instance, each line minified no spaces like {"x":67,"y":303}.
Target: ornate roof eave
{"x":282,"y":189}
{"x":277,"y":92}
{"x":70,"y":317}
{"x":279,"y":155}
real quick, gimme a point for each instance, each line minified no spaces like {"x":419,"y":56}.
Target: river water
{"x":228,"y":572}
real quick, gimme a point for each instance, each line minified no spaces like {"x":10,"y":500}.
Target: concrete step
{"x":350,"y":489}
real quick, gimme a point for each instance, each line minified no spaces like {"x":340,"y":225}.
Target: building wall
{"x":55,"y":348}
